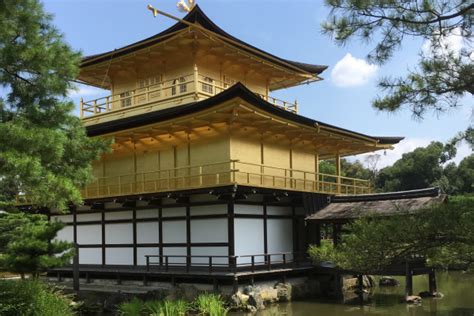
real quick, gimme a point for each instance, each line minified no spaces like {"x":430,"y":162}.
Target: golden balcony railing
{"x":223,"y":173}
{"x":195,"y":85}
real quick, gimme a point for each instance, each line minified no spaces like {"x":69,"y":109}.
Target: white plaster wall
{"x":168,"y":251}
{"x":90,"y":256}
{"x":142,"y":252}
{"x":279,"y":210}
{"x":280,"y":236}
{"x":62,"y":218}
{"x":147,"y":232}
{"x":209,"y":230}
{"x":147,"y":214}
{"x":118,"y":215}
{"x":209,"y":251}
{"x":89,"y":234}
{"x":89,"y":217}
{"x":209,"y":209}
{"x":119,"y":256}
{"x":174,"y":211}
{"x":174,"y":232}
{"x":248,"y":209}
{"x":248,"y":238}
{"x":118,"y":233}
{"x":65,"y":234}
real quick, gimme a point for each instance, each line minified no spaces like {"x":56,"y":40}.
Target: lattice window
{"x":181,"y":83}
{"x":125,"y":99}
{"x":207,"y":85}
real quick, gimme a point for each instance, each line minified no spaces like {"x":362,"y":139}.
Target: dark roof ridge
{"x":410,"y":194}
{"x":197,"y":15}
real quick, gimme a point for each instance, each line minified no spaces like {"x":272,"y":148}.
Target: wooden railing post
{"x":147,"y":263}
{"x":82,"y":107}
{"x":196,"y":82}
{"x":210,"y":264}
{"x":338,"y":173}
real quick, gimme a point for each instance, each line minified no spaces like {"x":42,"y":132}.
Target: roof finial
{"x":186,"y":7}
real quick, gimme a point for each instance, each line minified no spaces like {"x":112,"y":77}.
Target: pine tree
{"x":444,"y":74}
{"x":45,"y":154}
{"x":27,"y":244}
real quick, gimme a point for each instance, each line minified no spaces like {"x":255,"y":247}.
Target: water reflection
{"x":457,"y":287}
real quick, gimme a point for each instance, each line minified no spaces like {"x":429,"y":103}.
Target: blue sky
{"x":289,"y":29}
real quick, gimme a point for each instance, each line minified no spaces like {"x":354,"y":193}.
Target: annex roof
{"x":343,"y":208}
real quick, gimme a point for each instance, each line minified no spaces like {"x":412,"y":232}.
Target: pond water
{"x":458,"y":300}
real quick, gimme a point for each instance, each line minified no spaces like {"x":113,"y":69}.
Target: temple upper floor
{"x":191,"y":61}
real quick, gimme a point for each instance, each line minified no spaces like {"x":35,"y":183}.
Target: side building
{"x":208,"y":174}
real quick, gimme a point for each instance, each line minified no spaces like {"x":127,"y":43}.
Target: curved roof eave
{"x":236,"y":91}
{"x":197,"y":15}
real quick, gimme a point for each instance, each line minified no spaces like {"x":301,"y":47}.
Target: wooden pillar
{"x":265,"y":229}
{"x":432,"y":282}
{"x":335,"y":233}
{"x":75,"y":260}
{"x":338,"y":172}
{"x":317,"y":232}
{"x":316,"y":170}
{"x":160,"y":234}
{"x":188,"y":235}
{"x":231,"y":232}
{"x":360,"y":287}
{"x":102,"y":223}
{"x":408,"y":280}
{"x":134,"y":227}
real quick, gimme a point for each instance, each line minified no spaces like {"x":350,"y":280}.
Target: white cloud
{"x":452,"y":42}
{"x":351,"y":72}
{"x":389,"y":157}
{"x":86,"y":91}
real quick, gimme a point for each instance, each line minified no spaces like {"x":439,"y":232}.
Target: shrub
{"x":33,"y":298}
{"x":210,"y":304}
{"x":323,"y":253}
{"x":134,"y":307}
{"x":166,"y":308}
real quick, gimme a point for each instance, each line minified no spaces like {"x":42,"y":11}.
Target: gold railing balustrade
{"x":195,"y":84}
{"x":223,"y":173}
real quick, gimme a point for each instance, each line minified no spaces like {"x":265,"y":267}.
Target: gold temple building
{"x":207,"y":170}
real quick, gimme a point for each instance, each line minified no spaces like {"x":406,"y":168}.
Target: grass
{"x":205,"y":304}
{"x":210,"y":304}
{"x":33,"y":297}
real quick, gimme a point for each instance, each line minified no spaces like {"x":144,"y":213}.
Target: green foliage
{"x":45,"y":153}
{"x":33,"y":298}
{"x":173,"y":308}
{"x":418,"y":169}
{"x":134,"y":307}
{"x":444,"y":235}
{"x":27,"y":245}
{"x":322,"y":253}
{"x":443,"y":76}
{"x":204,"y":304}
{"x":210,"y":304}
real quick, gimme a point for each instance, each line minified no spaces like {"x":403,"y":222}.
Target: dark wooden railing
{"x":270,"y":261}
